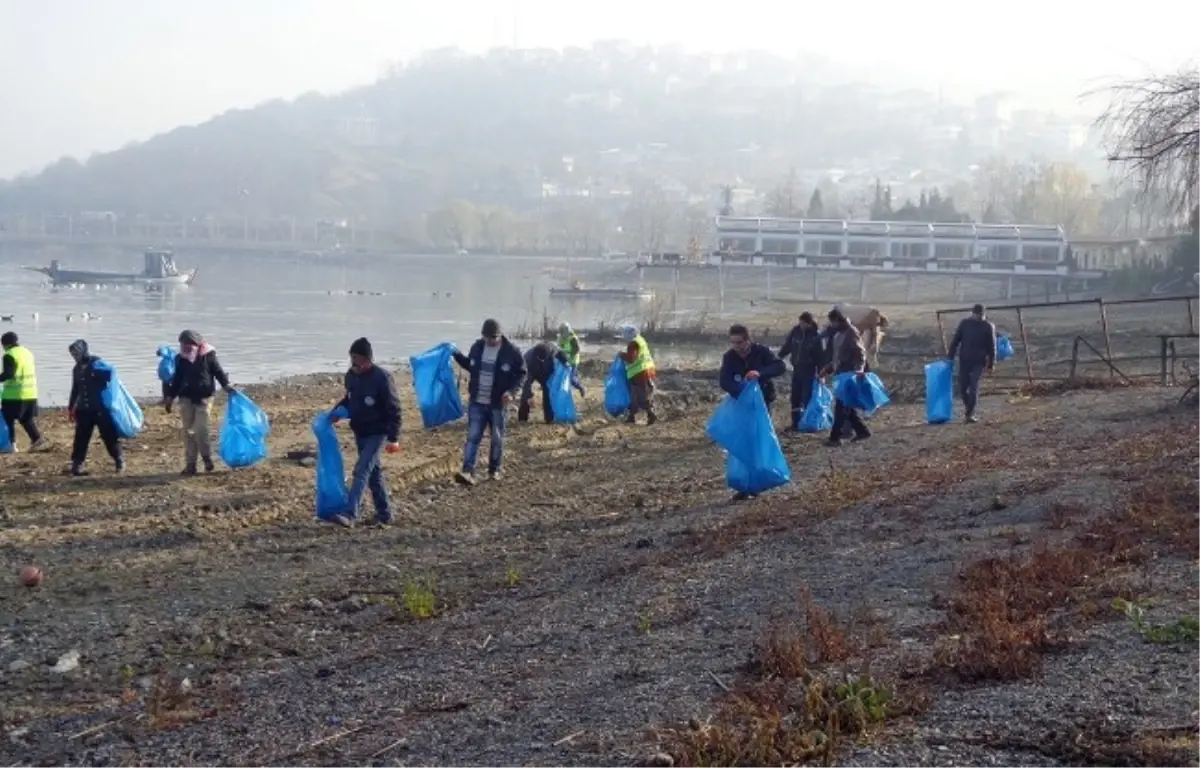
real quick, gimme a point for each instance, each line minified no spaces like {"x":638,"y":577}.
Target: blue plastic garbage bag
{"x":939,"y":391}
{"x":435,"y":385}
{"x":617,"y":398}
{"x":1004,"y":348}
{"x":333,"y":498}
{"x":562,"y":400}
{"x":124,"y":410}
{"x":867,"y":395}
{"x":742,"y":426}
{"x":166,"y":363}
{"x":6,"y":444}
{"x":818,"y":414}
{"x":243,"y":433}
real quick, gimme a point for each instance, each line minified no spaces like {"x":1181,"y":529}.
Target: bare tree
{"x":1153,"y":129}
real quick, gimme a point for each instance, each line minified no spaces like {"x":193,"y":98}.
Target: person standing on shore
{"x":568,"y":342}
{"x":197,"y":372}
{"x":847,"y":356}
{"x":540,"y":360}
{"x":640,"y":371}
{"x":374,"y":407}
{"x":805,"y":348}
{"x":496,"y":369}
{"x":975,"y":343}
{"x":85,"y":409}
{"x":19,"y":392}
{"x":746,"y":361}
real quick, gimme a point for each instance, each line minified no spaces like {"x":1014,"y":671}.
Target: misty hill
{"x":515,"y":128}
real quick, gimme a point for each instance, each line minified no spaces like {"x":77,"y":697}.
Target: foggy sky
{"x":80,"y":76}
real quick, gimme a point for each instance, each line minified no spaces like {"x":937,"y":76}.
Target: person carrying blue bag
{"x":86,"y":409}
{"x":540,"y":362}
{"x":496,"y":369}
{"x":193,"y":384}
{"x":975,"y":344}
{"x":804,"y":347}
{"x":847,"y":355}
{"x":742,"y":426}
{"x":373,"y":405}
{"x":746,"y":361}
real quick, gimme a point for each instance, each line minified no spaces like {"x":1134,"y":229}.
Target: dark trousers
{"x":87,"y":422}
{"x":844,"y":415}
{"x":802,"y":392}
{"x":641,"y":398}
{"x":969,"y":375}
{"x":23,"y":412}
{"x":526,"y":396}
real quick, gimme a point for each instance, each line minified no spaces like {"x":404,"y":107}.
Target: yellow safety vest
{"x":23,"y":384}
{"x":644,"y":361}
{"x":569,"y":344}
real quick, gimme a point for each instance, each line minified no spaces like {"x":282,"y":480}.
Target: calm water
{"x":273,"y":316}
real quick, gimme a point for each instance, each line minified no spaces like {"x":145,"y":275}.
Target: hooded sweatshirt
{"x":197,"y":372}
{"x":88,"y":382}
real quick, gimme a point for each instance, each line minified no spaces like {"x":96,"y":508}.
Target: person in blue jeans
{"x":496,"y":370}
{"x":374,"y":407}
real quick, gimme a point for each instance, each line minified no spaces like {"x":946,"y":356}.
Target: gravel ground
{"x":590,"y":597}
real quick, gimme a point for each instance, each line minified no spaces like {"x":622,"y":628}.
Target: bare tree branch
{"x":1152,"y":129}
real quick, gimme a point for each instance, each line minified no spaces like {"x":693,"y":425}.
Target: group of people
{"x":815,"y":352}
{"x":192,"y":386}
{"x":498,"y":373}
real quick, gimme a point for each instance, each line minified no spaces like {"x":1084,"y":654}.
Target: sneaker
{"x":77,"y":470}
{"x":341,"y":520}
{"x":120,"y":467}
{"x":860,"y":438}
{"x":834,"y":442}
{"x":380,"y":522}
{"x":972,"y":418}
{"x":465,"y":478}
{"x":651,"y":419}
{"x":208,"y":465}
{"x":42,"y":444}
{"x":496,"y":476}
{"x":743,"y":496}
{"x":188,"y":471}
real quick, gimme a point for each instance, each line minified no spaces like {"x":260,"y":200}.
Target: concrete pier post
{"x":908,"y":288}
{"x":1008,"y":292}
{"x":862,"y":287}
{"x":816,"y":289}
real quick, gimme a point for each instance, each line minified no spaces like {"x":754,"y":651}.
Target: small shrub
{"x":420,"y":600}
{"x":1185,"y":630}
{"x":512,"y":577}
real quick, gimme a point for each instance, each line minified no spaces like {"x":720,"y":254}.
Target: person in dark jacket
{"x":847,"y":355}
{"x":496,"y":369}
{"x":540,"y":360}
{"x":197,"y":373}
{"x":374,"y":407}
{"x":85,"y":408}
{"x":804,"y":347}
{"x":975,"y":343}
{"x":747,"y":361}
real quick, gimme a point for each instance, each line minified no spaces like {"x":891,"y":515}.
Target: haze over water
{"x":270,"y":317}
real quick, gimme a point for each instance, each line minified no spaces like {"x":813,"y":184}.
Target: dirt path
{"x":603,"y":588}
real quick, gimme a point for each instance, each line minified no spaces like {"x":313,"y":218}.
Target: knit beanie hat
{"x":362,"y":347}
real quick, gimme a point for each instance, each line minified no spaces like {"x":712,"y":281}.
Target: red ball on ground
{"x":31,"y":576}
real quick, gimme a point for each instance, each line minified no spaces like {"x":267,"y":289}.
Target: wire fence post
{"x":1107,"y":339}
{"x":1025,"y":345}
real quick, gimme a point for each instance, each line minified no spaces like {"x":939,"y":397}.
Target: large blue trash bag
{"x":124,"y":410}
{"x":243,"y":433}
{"x":166,"y":363}
{"x":742,"y":426}
{"x":6,"y":444}
{"x":818,"y":414}
{"x":939,"y":391}
{"x":333,"y":498}
{"x":437,"y":390}
{"x":617,"y":398}
{"x":867,"y":395}
{"x":1004,"y":348}
{"x":562,"y":397}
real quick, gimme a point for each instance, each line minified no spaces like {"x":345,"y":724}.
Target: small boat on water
{"x":159,"y":269}
{"x":578,"y":290}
